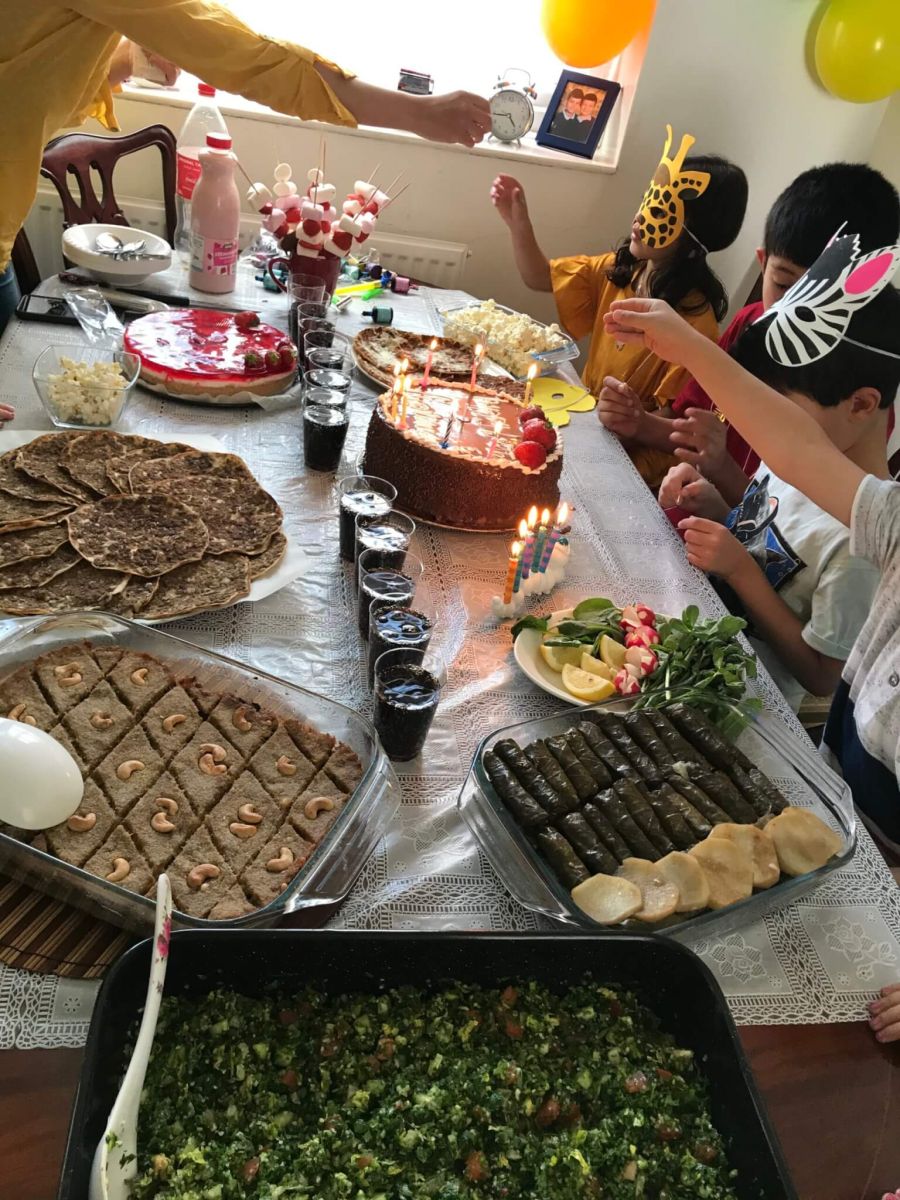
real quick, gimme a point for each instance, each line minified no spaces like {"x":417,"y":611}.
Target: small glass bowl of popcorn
{"x":85,"y":387}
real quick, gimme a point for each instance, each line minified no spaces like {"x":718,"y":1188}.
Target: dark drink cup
{"x":319,"y":397}
{"x":390,"y":534}
{"x":393,"y":626}
{"x":407,"y":692}
{"x":324,"y":432}
{"x":364,"y":495}
{"x":335,"y":381}
{"x":378,"y":585}
{"x":327,"y":358}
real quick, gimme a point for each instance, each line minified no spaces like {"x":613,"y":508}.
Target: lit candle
{"x":476,"y":363}
{"x":395,"y":387}
{"x":528,"y":554}
{"x":523,"y":537}
{"x":562,"y":515}
{"x":532,"y":373}
{"x":539,"y":541}
{"x":512,"y":568}
{"x":427,"y":375}
{"x":492,"y":444}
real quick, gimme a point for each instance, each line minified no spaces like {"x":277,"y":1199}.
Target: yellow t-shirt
{"x":583,"y":294}
{"x":55,"y":61}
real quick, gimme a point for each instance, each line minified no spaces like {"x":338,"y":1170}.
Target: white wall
{"x":733,"y":74}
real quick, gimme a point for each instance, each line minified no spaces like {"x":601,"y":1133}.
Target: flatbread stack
{"x":130,"y":525}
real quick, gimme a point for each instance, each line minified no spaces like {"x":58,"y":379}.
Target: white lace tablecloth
{"x":818,"y":960}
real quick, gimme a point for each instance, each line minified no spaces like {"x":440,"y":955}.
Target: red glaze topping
{"x":201,"y":343}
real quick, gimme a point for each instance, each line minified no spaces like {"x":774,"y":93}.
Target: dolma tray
{"x":789,"y":762}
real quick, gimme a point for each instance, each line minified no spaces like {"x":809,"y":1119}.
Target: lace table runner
{"x":818,"y":960}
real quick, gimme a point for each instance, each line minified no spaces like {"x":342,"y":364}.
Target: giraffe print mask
{"x":661,"y":215}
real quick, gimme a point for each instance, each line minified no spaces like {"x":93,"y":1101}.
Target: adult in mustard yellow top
{"x":628,"y":379}
{"x":56,"y":57}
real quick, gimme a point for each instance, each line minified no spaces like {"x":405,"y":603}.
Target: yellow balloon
{"x":585,"y":33}
{"x":857,"y":49}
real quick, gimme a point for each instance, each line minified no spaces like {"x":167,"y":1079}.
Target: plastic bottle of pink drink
{"x":203,"y":118}
{"x":215,"y":219}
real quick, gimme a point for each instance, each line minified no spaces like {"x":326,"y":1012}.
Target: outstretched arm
{"x":508,"y":197}
{"x":790,"y":442}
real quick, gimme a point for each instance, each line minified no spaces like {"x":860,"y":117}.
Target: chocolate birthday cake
{"x":463,"y":458}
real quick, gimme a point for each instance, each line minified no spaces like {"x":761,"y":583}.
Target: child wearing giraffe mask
{"x":692,"y":207}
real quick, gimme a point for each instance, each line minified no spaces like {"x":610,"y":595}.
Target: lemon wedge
{"x":595,"y":666}
{"x":612,"y":652}
{"x":556,"y":657}
{"x":584,"y":685}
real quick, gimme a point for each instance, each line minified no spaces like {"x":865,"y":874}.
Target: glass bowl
{"x":73,"y":390}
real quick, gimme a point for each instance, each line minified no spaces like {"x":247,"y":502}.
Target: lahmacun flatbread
{"x":16,"y":512}
{"x":36,"y":541}
{"x":81,"y":587}
{"x":150,"y":474}
{"x":86,"y":456}
{"x":261,"y":564}
{"x":40,"y":459}
{"x":138,"y":535}
{"x":240,"y":515}
{"x":15,"y":482}
{"x":117,"y":469}
{"x":32,"y":572}
{"x":134,"y":596}
{"x":378,"y":349}
{"x":214,"y":582}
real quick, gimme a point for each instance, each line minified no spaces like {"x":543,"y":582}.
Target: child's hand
{"x":884,"y":1013}
{"x":684,"y":487}
{"x":701,"y":439}
{"x":651,"y":323}
{"x":508,"y":197}
{"x":619,"y":407}
{"x":671,"y":490}
{"x":714,"y":550}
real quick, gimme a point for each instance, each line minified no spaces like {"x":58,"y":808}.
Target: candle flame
{"x":404,"y":365}
{"x":498,"y":427}
{"x":523,"y":529}
{"x":562,"y":513}
{"x":532,"y":516}
{"x":532,"y":372}
{"x":396,"y":369}
{"x":545,"y":516}
{"x":515,"y":550}
{"x":434,"y":344}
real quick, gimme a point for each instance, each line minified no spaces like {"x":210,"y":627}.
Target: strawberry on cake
{"x":200,"y":352}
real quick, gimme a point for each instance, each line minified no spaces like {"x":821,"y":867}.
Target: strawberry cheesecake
{"x":465,"y":458}
{"x":200,"y":352}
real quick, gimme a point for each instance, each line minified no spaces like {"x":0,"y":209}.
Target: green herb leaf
{"x":528,"y":622}
{"x":596,"y":604}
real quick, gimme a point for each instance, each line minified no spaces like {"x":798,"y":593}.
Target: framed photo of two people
{"x":577,"y":113}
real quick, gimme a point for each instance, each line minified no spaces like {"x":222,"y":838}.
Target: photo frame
{"x":578,"y":113}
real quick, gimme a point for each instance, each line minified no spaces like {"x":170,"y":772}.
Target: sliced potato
{"x":659,"y":895}
{"x":759,"y":845}
{"x":728,"y":869}
{"x":607,"y":898}
{"x":802,"y":840}
{"x":688,"y":876}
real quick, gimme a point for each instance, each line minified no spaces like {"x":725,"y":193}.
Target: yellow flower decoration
{"x":559,"y":399}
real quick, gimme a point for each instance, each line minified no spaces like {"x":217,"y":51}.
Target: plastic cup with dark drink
{"x":407,"y":691}
{"x":390,"y":533}
{"x":396,"y":625}
{"x":328,"y":358}
{"x":335,"y":381}
{"x":361,"y":495}
{"x":321,"y":338}
{"x":379,"y":584}
{"x":324,"y":431}
{"x":319,"y":397}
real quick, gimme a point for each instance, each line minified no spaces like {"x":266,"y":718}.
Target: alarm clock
{"x":512,"y":107}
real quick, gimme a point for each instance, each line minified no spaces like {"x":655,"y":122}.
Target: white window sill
{"x":605,"y":161}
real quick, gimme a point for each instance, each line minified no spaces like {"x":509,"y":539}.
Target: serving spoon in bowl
{"x":115,"y":1160}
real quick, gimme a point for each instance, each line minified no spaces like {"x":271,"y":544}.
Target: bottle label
{"x":212,"y":257}
{"x":187,"y":175}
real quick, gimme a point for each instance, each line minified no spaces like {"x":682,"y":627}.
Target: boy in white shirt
{"x":809,"y":599}
{"x":811,"y":320}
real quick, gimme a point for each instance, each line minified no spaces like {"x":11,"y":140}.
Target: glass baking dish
{"x":567,"y":352}
{"x":793,"y":766}
{"x":329,"y":874}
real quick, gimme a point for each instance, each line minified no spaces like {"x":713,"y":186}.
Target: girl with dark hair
{"x":693,"y":206}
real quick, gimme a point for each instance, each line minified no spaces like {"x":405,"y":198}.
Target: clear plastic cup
{"x":378,"y":583}
{"x":320,"y":397}
{"x":389,"y":533}
{"x":361,"y":494}
{"x":328,"y":358}
{"x":324,"y":434}
{"x":408,"y":684}
{"x":334,"y":381}
{"x":409,"y":626}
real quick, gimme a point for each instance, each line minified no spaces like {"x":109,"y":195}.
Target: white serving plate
{"x":78,"y":247}
{"x":527,"y":652}
{"x":296,"y":561}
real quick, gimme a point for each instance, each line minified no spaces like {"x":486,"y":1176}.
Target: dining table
{"x":796,"y":981}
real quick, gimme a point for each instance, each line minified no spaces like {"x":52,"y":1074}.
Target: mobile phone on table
{"x":55,"y":311}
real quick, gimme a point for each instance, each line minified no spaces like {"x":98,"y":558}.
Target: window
{"x":466,"y":44}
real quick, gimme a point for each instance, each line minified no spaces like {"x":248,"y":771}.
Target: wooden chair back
{"x":68,"y":162}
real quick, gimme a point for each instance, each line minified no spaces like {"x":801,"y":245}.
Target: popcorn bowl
{"x":78,"y":387}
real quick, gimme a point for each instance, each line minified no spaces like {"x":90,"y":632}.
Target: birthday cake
{"x":201,"y":352}
{"x":466,"y":458}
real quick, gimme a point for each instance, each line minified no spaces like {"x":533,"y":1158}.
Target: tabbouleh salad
{"x":462,"y":1094}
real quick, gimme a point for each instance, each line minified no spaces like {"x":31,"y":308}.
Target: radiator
{"x":441,"y":264}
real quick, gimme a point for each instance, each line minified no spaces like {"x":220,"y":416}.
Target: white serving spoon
{"x":110,"y":1175}
{"x":40,"y":783}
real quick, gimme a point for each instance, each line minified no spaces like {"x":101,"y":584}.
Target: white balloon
{"x":40,"y":783}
